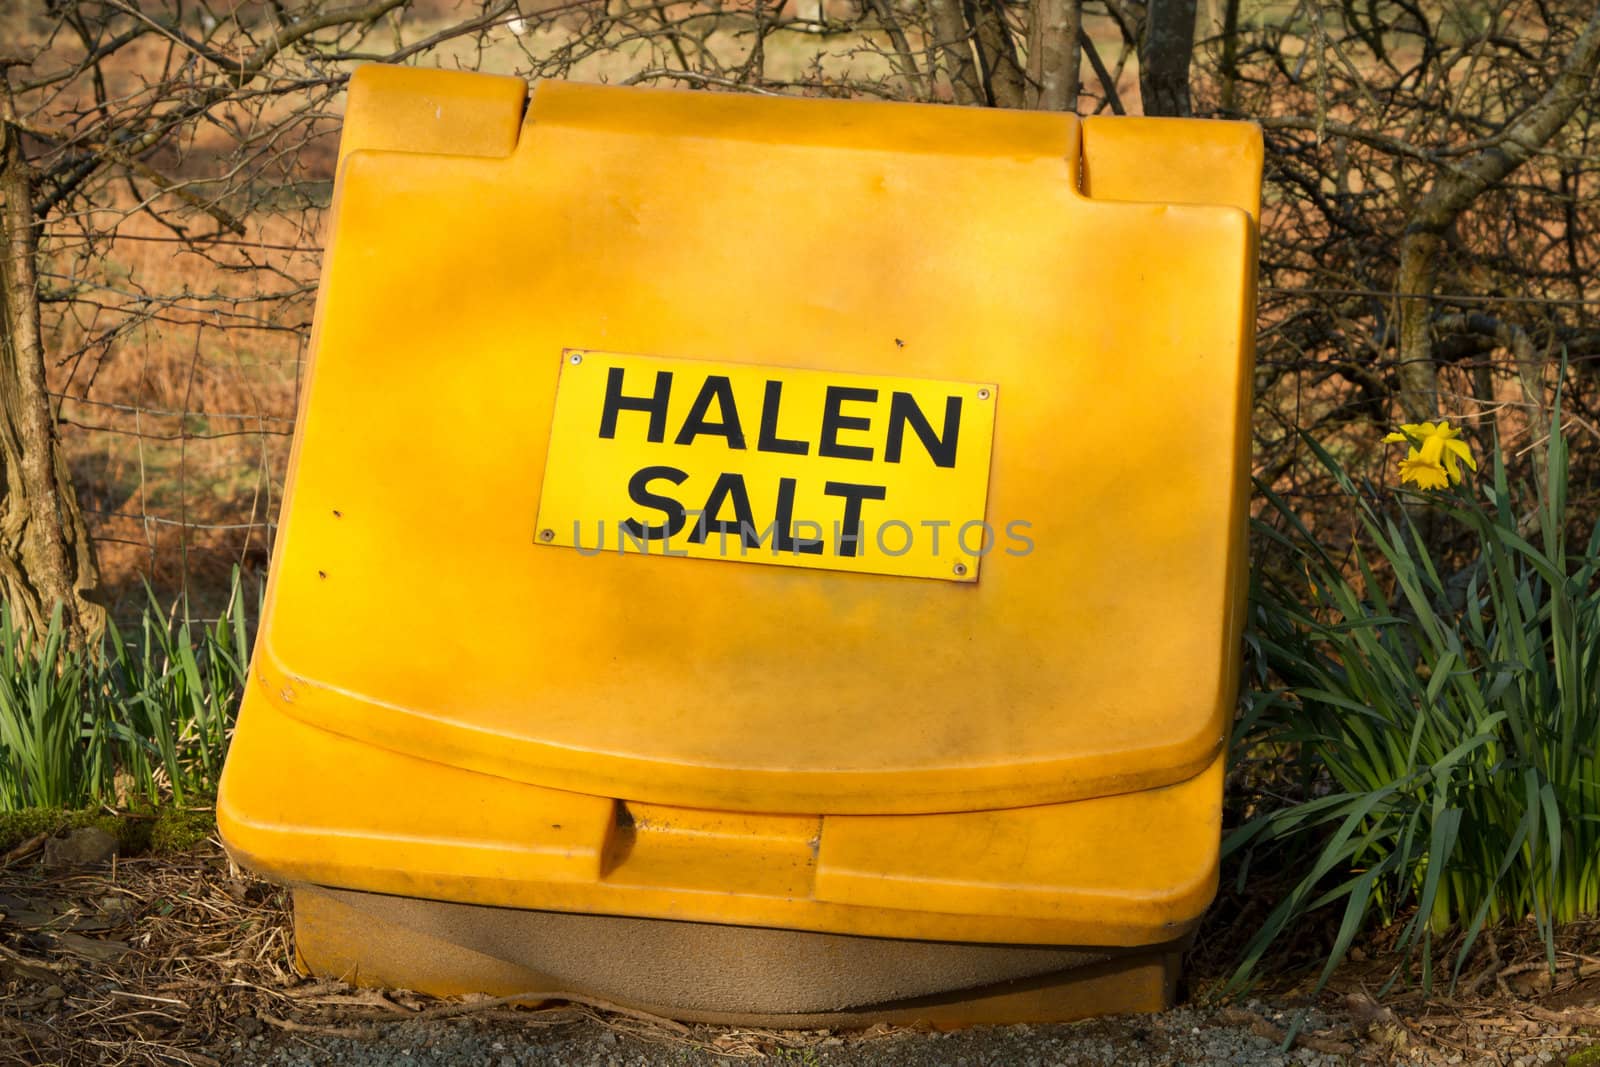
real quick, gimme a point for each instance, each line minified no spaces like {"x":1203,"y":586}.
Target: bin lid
{"x":957,"y":336}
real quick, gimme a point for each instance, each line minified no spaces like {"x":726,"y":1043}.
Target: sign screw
{"x":577,"y":358}
{"x":983,"y":394}
{"x":961,"y":569}
{"x":547,"y":535}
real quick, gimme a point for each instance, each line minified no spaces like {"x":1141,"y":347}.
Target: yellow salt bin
{"x":758,"y":560}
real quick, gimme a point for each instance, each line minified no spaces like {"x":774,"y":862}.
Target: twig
{"x":1568,"y":1017}
{"x":1272,"y":1032}
{"x":32,"y":844}
{"x":445,"y":1011}
{"x":293,"y":1027}
{"x":1490,"y":969}
{"x":25,"y":963}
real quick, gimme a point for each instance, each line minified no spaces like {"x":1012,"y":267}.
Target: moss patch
{"x":1585,"y":1057}
{"x":180,"y":829}
{"x":165,"y":829}
{"x":18,"y":826}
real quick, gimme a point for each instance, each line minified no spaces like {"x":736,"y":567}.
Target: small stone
{"x":608,"y":1038}
{"x":508,"y":1061}
{"x":248,"y":1025}
{"x":54,"y":992}
{"x":81,"y":848}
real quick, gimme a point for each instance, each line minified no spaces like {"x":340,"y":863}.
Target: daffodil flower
{"x":1435,"y":456}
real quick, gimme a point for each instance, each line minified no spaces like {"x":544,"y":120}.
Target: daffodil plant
{"x":1445,"y":711}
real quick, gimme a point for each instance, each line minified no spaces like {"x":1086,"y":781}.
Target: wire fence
{"x":178,"y":445}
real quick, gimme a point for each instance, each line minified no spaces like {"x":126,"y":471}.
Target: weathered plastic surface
{"x":443,"y":706}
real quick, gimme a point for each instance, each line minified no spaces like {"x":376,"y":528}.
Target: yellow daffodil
{"x":1426,"y":475}
{"x":1436,"y":454}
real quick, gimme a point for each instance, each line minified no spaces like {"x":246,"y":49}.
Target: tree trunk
{"x":1453,"y":192}
{"x":1230,"y":54}
{"x":905,"y":65}
{"x":1419,"y":387}
{"x":1053,"y":54}
{"x":1002,"y":74}
{"x":1164,"y":58}
{"x":953,"y":42}
{"x":46,"y":557}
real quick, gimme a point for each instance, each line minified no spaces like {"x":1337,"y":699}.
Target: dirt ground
{"x":181,"y":959}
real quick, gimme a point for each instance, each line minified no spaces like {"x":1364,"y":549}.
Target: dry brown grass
{"x":183,"y":958}
{"x":177,"y":430}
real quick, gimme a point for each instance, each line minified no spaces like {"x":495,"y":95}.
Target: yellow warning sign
{"x":762,"y":464}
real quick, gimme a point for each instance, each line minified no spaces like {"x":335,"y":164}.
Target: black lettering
{"x":853,"y":496}
{"x":785,"y":541}
{"x":903,"y":409}
{"x":718,"y":388}
{"x":729,"y":486}
{"x":639,"y":493}
{"x":833,"y":421}
{"x":769,"y":441}
{"x":656,"y":405}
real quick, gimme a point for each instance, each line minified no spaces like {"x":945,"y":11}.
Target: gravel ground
{"x":1183,"y":1036}
{"x":1246,"y":1036}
